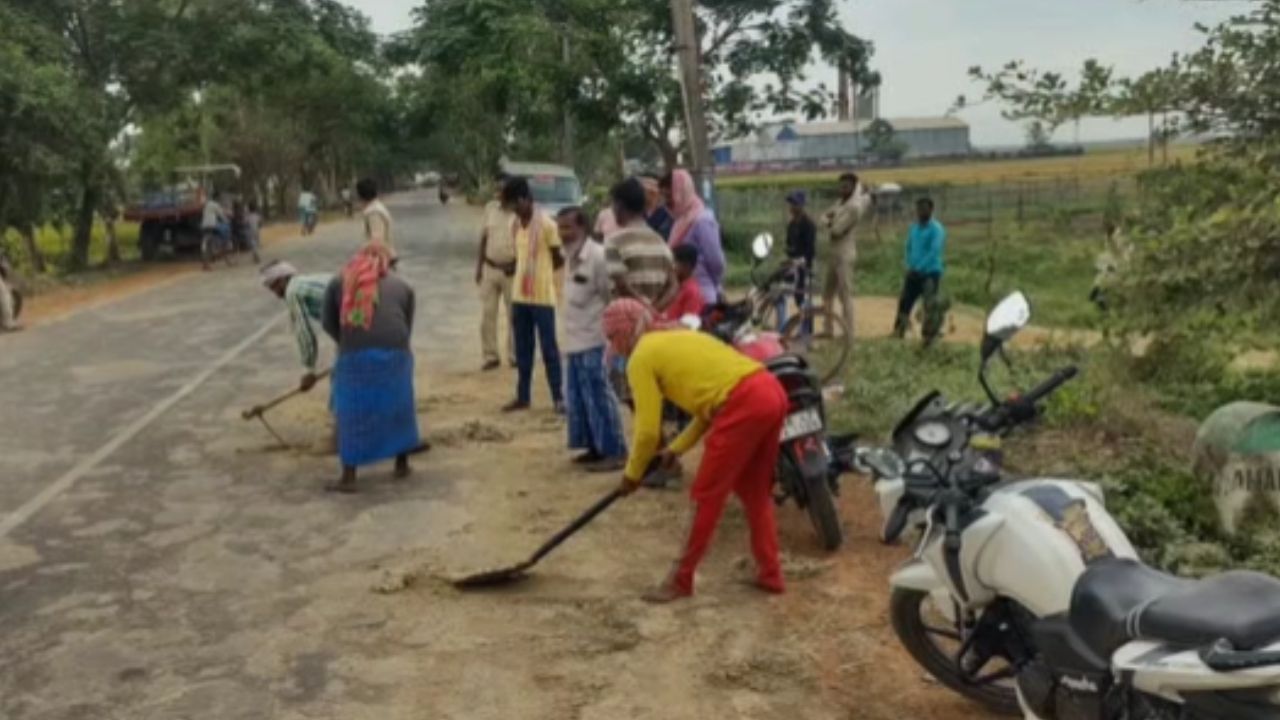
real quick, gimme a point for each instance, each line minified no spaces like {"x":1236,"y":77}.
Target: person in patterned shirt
{"x":303,"y":295}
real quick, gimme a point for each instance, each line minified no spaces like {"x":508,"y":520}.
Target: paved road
{"x":145,"y":557}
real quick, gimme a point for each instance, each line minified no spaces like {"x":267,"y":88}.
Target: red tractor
{"x":171,"y":217}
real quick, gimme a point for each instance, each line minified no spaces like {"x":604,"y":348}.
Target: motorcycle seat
{"x":1120,"y":600}
{"x":1107,"y":594}
{"x":1242,"y":608}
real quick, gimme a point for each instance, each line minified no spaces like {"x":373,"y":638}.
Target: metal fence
{"x":1058,"y":200}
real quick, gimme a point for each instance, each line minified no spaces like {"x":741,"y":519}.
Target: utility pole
{"x":686,"y":35}
{"x":566,"y":147}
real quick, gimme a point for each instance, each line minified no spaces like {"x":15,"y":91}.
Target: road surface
{"x":159,"y":559}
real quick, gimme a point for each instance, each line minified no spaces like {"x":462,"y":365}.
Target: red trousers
{"x":739,"y":457}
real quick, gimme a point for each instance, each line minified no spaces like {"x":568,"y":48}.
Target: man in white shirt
{"x":307,"y":208}
{"x":214,"y":220}
{"x":377,"y":219}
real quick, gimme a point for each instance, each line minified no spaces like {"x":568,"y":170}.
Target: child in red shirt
{"x":689,"y":300}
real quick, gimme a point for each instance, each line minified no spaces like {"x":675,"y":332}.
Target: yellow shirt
{"x":535,"y":281}
{"x":691,"y":369}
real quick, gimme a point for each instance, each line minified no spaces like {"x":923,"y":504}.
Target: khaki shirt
{"x":843,"y":217}
{"x":500,"y":248}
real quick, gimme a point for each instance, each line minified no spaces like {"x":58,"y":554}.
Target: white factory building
{"x":792,"y":145}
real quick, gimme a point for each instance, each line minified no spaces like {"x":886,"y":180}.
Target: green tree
{"x":1038,"y":138}
{"x":883,"y":143}
{"x":619,"y":71}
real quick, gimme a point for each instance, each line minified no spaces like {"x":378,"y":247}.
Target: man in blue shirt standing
{"x":926,"y":241}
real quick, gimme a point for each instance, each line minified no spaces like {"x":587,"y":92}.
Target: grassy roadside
{"x":1056,"y":262}
{"x":1110,"y":425}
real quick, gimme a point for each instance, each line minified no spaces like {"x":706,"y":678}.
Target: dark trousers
{"x":530,"y":324}
{"x":920,"y":286}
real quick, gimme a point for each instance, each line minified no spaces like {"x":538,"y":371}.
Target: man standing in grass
{"x":926,"y":242}
{"x":495,"y":266}
{"x":594,"y":425}
{"x":533,"y":295}
{"x":842,"y":221}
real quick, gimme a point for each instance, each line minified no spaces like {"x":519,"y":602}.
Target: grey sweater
{"x":392,"y":320}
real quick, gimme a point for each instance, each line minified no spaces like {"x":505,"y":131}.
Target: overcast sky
{"x":924,"y":47}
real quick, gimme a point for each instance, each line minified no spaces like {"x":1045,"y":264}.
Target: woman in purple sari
{"x":696,"y":225}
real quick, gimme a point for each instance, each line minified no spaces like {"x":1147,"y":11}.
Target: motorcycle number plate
{"x":800,"y":424}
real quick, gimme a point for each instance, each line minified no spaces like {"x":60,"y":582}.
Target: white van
{"x":554,"y":187}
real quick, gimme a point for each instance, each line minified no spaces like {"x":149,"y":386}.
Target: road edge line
{"x":27,"y":510}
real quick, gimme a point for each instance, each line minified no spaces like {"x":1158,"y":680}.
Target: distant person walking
{"x":495,"y":266}
{"x":8,"y":304}
{"x":347,"y":204}
{"x":842,"y":222}
{"x":926,"y":243}
{"x":595,"y":427}
{"x":369,"y":312}
{"x":656,"y":212}
{"x":253,"y":230}
{"x":308,"y":209}
{"x":697,"y":226}
{"x":533,"y":295}
{"x":377,"y":219}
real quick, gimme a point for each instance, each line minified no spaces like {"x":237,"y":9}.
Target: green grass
{"x":54,"y":243}
{"x":1053,"y":265}
{"x":1105,"y":426}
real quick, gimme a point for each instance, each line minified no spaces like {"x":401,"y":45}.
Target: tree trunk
{"x":113,"y":243}
{"x":1151,"y":139}
{"x":670,"y":153}
{"x":36,"y":258}
{"x":89,"y":195}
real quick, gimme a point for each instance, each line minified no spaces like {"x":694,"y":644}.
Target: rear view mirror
{"x":762,"y":246}
{"x":1007,"y":318}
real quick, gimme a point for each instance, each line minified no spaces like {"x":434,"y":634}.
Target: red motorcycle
{"x":805,"y":471}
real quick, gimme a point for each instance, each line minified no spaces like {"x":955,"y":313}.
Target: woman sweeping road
{"x":369,"y":313}
{"x":734,"y":401}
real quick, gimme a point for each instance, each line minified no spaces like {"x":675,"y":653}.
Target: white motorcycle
{"x":1026,"y":596}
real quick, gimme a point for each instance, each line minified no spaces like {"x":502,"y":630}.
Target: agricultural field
{"x":1102,"y":164}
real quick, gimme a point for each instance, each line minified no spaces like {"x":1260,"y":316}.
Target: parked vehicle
{"x":805,"y":473}
{"x":554,"y":187}
{"x":1026,"y":596}
{"x":766,"y":303}
{"x":170,"y":218}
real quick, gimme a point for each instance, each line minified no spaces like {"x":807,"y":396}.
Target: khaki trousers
{"x":495,"y":290}
{"x":839,"y":284}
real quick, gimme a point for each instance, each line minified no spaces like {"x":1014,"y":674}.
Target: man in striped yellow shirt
{"x":533,"y":293}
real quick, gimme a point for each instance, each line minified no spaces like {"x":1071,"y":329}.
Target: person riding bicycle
{"x":214,"y":220}
{"x":802,"y":245}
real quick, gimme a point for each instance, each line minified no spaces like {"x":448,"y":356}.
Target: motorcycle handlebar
{"x":1044,"y":389}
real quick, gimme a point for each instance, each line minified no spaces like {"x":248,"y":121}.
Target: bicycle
{"x":817,"y":333}
{"x":214,"y":245}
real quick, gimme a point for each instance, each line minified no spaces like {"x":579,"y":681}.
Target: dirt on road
{"x":574,"y":641}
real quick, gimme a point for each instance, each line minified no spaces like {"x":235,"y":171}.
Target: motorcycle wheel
{"x":822,"y":513}
{"x":918,"y":637}
{"x":826,"y":355}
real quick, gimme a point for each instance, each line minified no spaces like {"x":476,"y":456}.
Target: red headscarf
{"x":626,"y":320}
{"x":360,"y":280}
{"x":685,"y":205}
